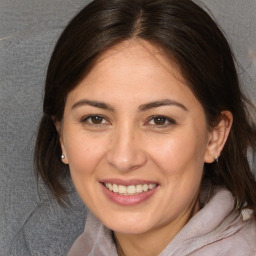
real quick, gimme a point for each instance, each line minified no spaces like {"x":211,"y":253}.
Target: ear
{"x":218,"y":137}
{"x":63,"y":157}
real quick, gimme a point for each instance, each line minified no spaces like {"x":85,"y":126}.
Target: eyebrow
{"x":160,"y":103}
{"x":144,"y":107}
{"x":93,"y":103}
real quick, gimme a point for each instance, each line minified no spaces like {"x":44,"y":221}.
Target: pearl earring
{"x":63,"y":156}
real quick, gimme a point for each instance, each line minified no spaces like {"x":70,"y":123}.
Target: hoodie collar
{"x":216,"y":220}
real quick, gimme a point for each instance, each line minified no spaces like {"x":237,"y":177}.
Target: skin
{"x":128,"y":143}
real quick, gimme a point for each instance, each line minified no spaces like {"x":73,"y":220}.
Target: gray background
{"x":35,"y":225}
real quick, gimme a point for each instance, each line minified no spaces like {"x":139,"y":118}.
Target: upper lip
{"x":127,"y":182}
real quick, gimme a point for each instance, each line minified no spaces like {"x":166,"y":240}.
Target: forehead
{"x":138,"y":52}
{"x":131,"y":70}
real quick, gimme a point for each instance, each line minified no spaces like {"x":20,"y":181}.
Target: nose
{"x":126,"y":151}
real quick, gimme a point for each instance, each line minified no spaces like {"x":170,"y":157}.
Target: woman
{"x":143,"y":108}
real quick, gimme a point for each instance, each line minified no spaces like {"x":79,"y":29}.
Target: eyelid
{"x":106,"y":121}
{"x":84,"y":119}
{"x":171,"y":121}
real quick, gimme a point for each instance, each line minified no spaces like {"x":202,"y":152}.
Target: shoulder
{"x":247,"y":235}
{"x":241,"y":242}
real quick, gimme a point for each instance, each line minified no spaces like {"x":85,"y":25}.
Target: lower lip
{"x":128,"y":200}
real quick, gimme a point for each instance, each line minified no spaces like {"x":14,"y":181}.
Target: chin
{"x":128,"y":225}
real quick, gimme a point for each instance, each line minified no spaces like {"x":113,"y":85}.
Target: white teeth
{"x":139,"y":188}
{"x":151,"y":186}
{"x":129,"y":190}
{"x":115,"y":188}
{"x":122,"y":189}
{"x":145,"y":187}
{"x":109,"y":186}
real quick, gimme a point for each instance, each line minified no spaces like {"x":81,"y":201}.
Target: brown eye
{"x":159,"y":120}
{"x":96,"y":119}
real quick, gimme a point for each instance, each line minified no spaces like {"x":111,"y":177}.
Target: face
{"x":136,"y":140}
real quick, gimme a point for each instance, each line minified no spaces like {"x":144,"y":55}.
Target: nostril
{"x":125,"y":152}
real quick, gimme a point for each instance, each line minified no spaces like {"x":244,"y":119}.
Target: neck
{"x":153,"y":242}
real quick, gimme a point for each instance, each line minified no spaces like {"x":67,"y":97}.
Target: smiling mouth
{"x":131,"y":190}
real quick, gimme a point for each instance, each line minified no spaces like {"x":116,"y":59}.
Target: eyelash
{"x":169,"y":121}
{"x":87,"y":118}
{"x":166,"y":121}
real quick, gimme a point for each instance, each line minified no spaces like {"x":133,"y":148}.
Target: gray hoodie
{"x":216,"y":230}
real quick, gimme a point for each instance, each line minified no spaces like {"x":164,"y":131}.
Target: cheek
{"x":84,"y":153}
{"x":84,"y":156}
{"x":178,"y":153}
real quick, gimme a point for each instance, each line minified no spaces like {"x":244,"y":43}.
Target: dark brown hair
{"x":185,"y":32}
